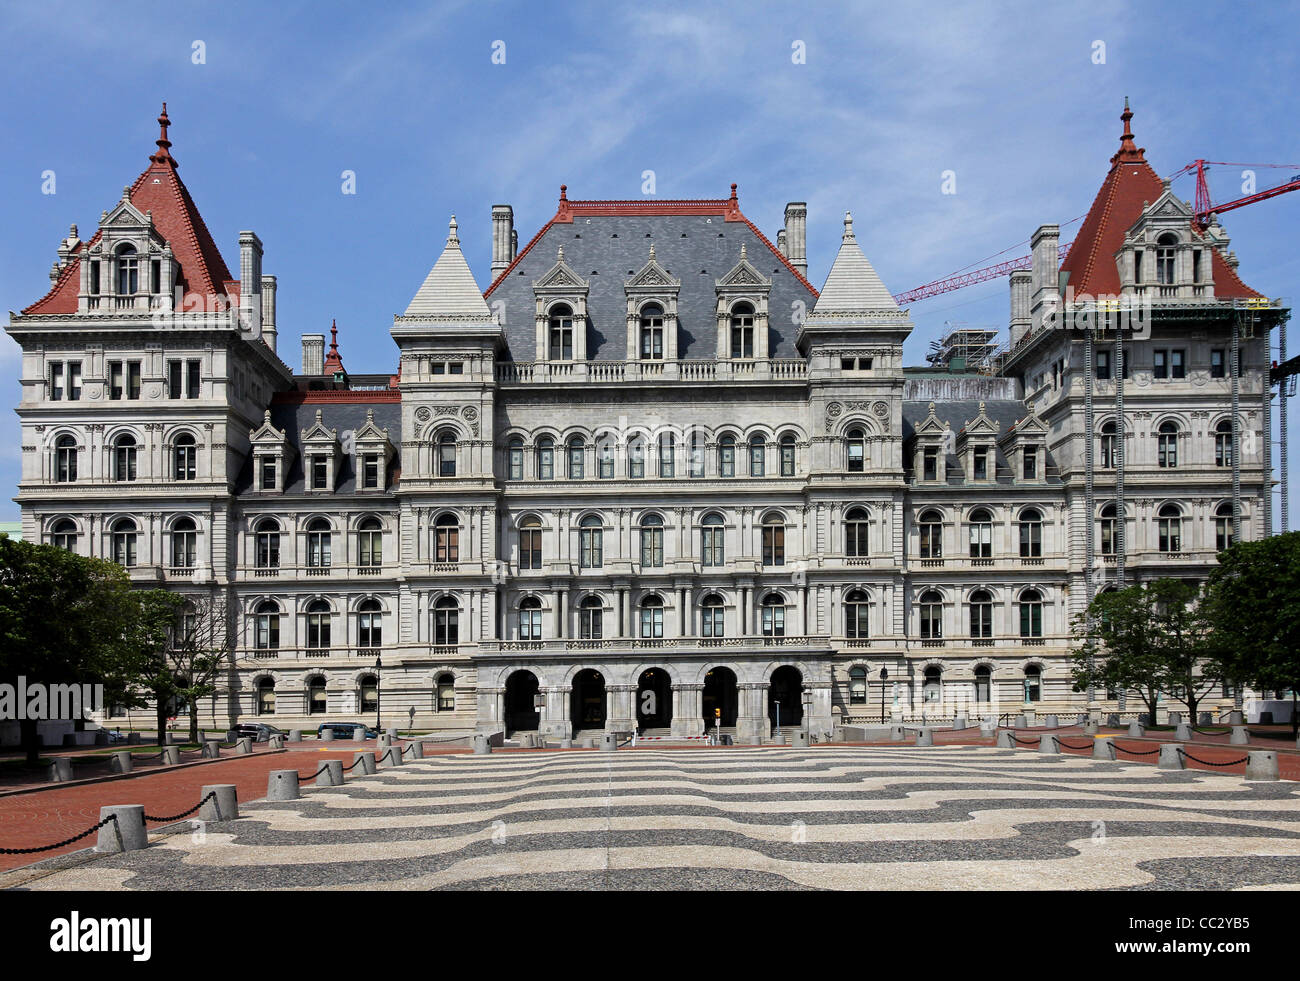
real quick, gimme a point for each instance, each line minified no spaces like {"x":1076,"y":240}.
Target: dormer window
{"x":1165,"y":258}
{"x":742,"y":330}
{"x":128,"y":271}
{"x":930,"y":463}
{"x":652,"y":332}
{"x":1030,"y":463}
{"x":561,"y":333}
{"x":268,"y":481}
{"x":319,"y":472}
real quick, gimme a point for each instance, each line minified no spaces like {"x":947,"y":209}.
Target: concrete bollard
{"x":417,"y":750}
{"x":959,"y":722}
{"x":1051,"y":722}
{"x":481,"y":747}
{"x":1175,"y":719}
{"x":1113,"y":720}
{"x":127,"y":833}
{"x":1103,"y":749}
{"x":276,"y":742}
{"x":223,"y":807}
{"x":988,"y":727}
{"x":1183,"y":732}
{"x":1047,"y":745}
{"x":382,"y":743}
{"x":1020,"y":722}
{"x":838,"y":735}
{"x":359,"y":735}
{"x":1090,"y":728}
{"x":122,"y":763}
{"x":1136,"y":730}
{"x":799,"y":739}
{"x":171,"y":756}
{"x":897,"y":734}
{"x":608,"y":742}
{"x":924,"y":737}
{"x":332,"y":775}
{"x":295,"y":735}
{"x":365,"y":762}
{"x":1239,"y":737}
{"x":327,"y":735}
{"x":1205,"y":719}
{"x":282,"y":785}
{"x":243,"y":746}
{"x":1261,"y":764}
{"x":1006,"y":739}
{"x":1171,"y":758}
{"x":211,"y":749}
{"x":60,"y":770}
{"x":1236,"y":719}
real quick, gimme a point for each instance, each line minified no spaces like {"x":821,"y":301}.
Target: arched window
{"x":773,"y":615}
{"x":128,"y":270}
{"x":446,"y":622}
{"x":124,"y":535}
{"x":370,"y":624}
{"x":1223,"y":526}
{"x":855,"y":450}
{"x":787,"y":456}
{"x":773,"y":539}
{"x":515,"y":459}
{"x":267,"y":540}
{"x":652,"y":617}
{"x":1031,"y":533}
{"x":266,"y":626}
{"x":561,"y":332}
{"x":185,"y":457}
{"x":930,"y":527}
{"x":1107,"y":439}
{"x":184,"y":544}
{"x":319,"y":540}
{"x":124,"y":457}
{"x":652,"y":541}
{"x":712,"y":541}
{"x":713,"y":616}
{"x":932,"y":685}
{"x":577,"y":457}
{"x":857,"y":533}
{"x":446,"y":453}
{"x":318,"y":625}
{"x":1166,"y":244}
{"x":65,"y":460}
{"x":1223,"y":443}
{"x":931,"y":605}
{"x":980,"y":526}
{"x":652,"y":332}
{"x":697,"y":453}
{"x":1033,"y":683}
{"x":64,"y":535}
{"x":1107,"y":529}
{"x":636,"y":458}
{"x":591,"y":619}
{"x":316,"y":700}
{"x":446,"y":539}
{"x":983,"y":684}
{"x":858,"y":686}
{"x":369,"y":693}
{"x":742,"y":330}
{"x":857,"y":615}
{"x":446,"y":686}
{"x":1031,"y":613}
{"x":530,"y":543}
{"x":757,"y":456}
{"x":530,"y":618}
{"x":605,"y":457}
{"x":667,"y":456}
{"x":1167,"y":445}
{"x":545,"y":458}
{"x":591,"y":542}
{"x":981,"y":614}
{"x":1169,"y":525}
{"x":266,"y":696}
{"x":727,"y":456}
{"x":370,"y":544}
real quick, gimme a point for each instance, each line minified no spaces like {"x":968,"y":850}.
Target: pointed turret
{"x":853,"y":286}
{"x":333,"y":360}
{"x":450,"y":292}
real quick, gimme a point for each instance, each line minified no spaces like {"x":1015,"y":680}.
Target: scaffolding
{"x":964,"y":348}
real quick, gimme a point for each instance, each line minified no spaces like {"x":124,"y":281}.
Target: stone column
{"x":751,"y":712}
{"x":688,"y":710}
{"x":619,"y":713}
{"x":555,"y":721}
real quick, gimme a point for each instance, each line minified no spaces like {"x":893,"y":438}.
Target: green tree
{"x":1254,"y":604}
{"x":200,"y":653}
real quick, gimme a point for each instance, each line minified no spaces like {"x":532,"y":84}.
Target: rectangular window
{"x":94,"y":278}
{"x":606,"y":461}
{"x":370,"y":471}
{"x":773,"y":545}
{"x":1137,"y":266}
{"x":173,"y":379}
{"x":697,"y":456}
{"x":1177,"y":364}
{"x":1159,"y":364}
{"x":1218,"y":363}
{"x":930,"y":465}
{"x":268,"y":474}
{"x":666,"y":448}
{"x":155,"y":268}
{"x":133,"y":379}
{"x":981,"y":465}
{"x":192,"y":379}
{"x":439,"y":369}
{"x":115,"y":390}
{"x":56,"y":381}
{"x":74,"y":381}
{"x":319,"y":473}
{"x":456,"y":368}
{"x":1031,"y":463}
{"x":1101,"y":365}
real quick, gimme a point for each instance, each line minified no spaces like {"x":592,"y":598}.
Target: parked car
{"x":259,"y":731}
{"x":346,"y":730}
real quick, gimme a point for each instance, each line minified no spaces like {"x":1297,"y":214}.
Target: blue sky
{"x":289,"y":96}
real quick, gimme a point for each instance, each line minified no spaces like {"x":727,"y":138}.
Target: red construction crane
{"x":1201,"y":210}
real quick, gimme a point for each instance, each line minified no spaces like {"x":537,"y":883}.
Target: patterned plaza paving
{"x":947,"y":817}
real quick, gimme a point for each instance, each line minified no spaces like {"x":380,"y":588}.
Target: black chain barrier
{"x":68,"y":841}
{"x":1195,"y":759}
{"x":151,"y":756}
{"x":349,"y":769}
{"x":1062,"y":742}
{"x":183,"y":814}
{"x":1134,"y":752}
{"x":319,"y":772}
{"x":1216,"y":731}
{"x":386,"y":755}
{"x":1025,"y":742}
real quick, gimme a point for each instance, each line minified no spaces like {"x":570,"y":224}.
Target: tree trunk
{"x":30,"y":741}
{"x":193,"y":703}
{"x":161,"y":712}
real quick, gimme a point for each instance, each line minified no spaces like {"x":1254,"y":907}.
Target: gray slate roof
{"x":696,"y":249}
{"x":1006,"y":412}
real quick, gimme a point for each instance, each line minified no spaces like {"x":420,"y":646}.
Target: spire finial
{"x":559,"y":254}
{"x":742,"y":250}
{"x":164,"y":145}
{"x":453,"y":240}
{"x":848,"y":227}
{"x":652,"y":252}
{"x":1128,"y":150}
{"x":733,"y":192}
{"x":564,"y":192}
{"x":333,"y":361}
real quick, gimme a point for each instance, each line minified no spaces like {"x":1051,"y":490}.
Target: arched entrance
{"x":654,"y":699}
{"x":588,"y":705}
{"x":785,"y":693}
{"x":521,"y":713}
{"x":719,"y":694}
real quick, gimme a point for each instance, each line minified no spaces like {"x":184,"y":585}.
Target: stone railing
{"x":692,"y":371}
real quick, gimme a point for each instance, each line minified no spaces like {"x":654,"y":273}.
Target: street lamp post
{"x":884,"y":675}
{"x":379,"y":667}
{"x":807,"y":700}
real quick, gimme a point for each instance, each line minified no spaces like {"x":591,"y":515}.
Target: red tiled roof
{"x":1117,"y":207}
{"x":729,"y":208}
{"x":161,"y":191}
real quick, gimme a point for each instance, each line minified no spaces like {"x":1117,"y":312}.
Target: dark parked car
{"x":259,"y":731}
{"x":345,"y":730}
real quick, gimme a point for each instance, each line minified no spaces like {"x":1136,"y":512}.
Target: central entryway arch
{"x":654,"y":699}
{"x":719,"y":694}
{"x":587,"y":710}
{"x":521,"y":712}
{"x":785,"y":692}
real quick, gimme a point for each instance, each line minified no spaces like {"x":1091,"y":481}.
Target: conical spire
{"x":449,"y":291}
{"x":333,"y":361}
{"x":852,"y":285}
{"x":164,"y":154}
{"x":1129,"y":152}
